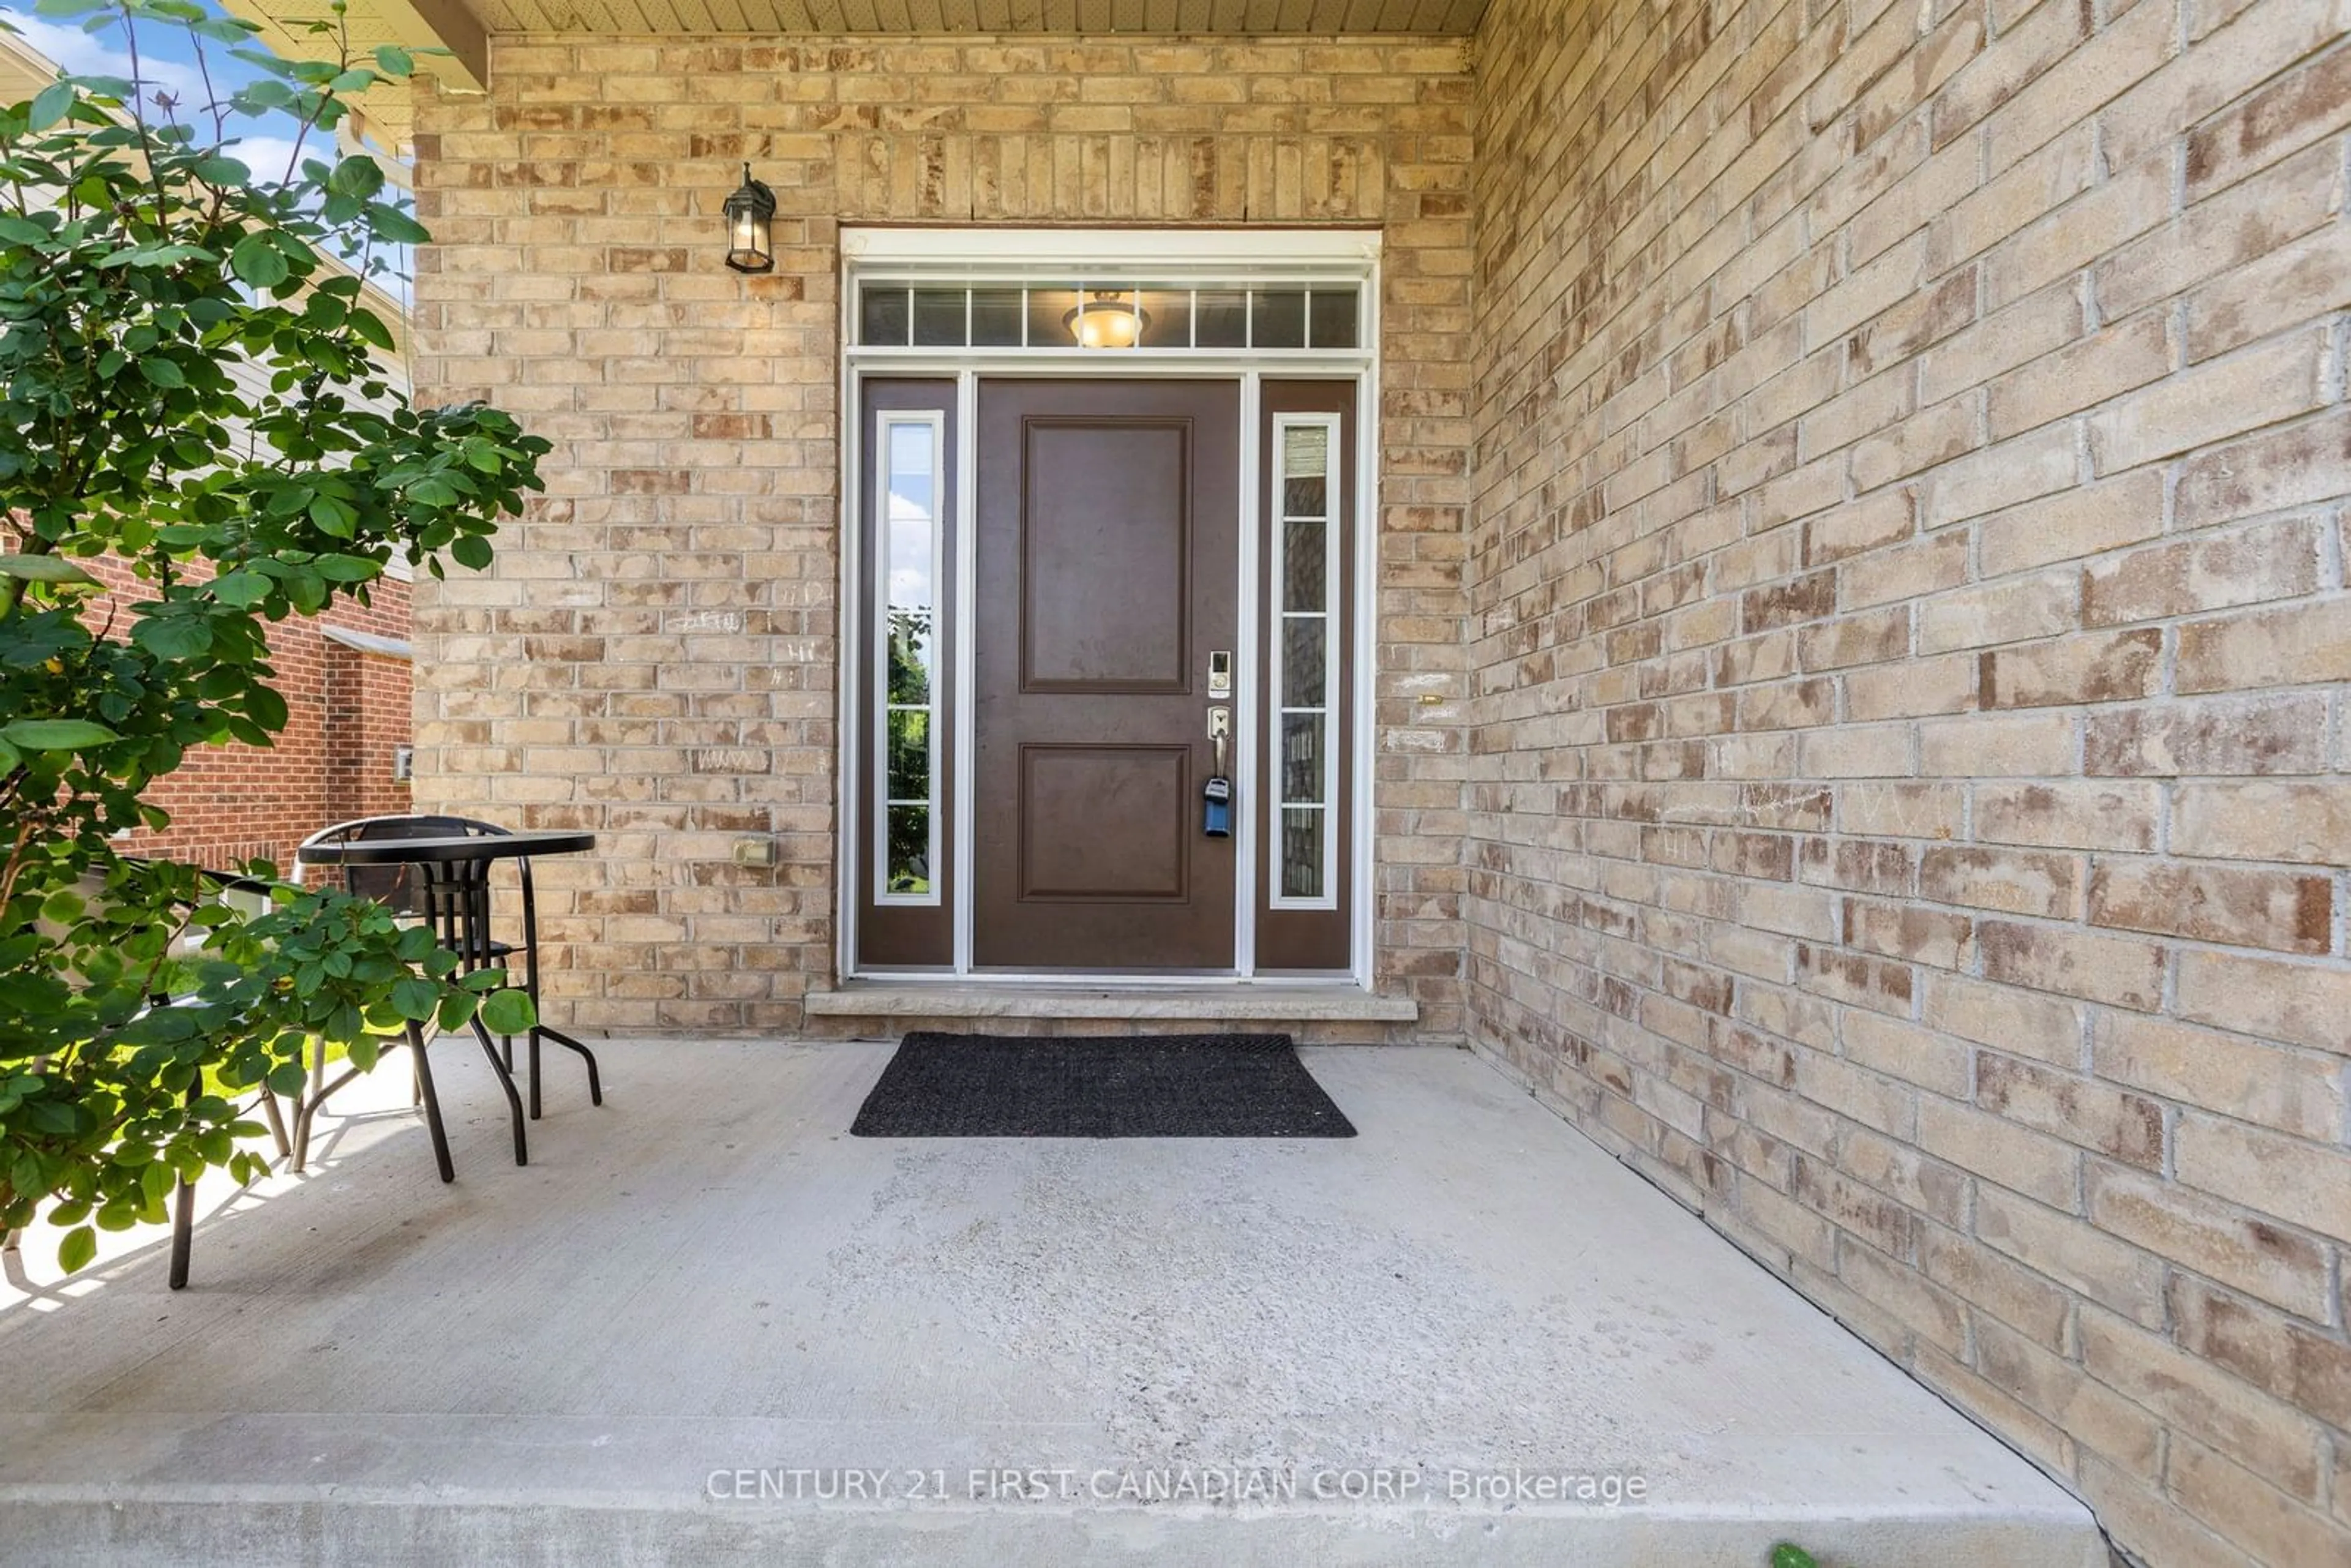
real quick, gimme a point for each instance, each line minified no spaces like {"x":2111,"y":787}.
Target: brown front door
{"x":1107,"y":572}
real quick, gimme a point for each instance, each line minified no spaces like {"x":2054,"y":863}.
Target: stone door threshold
{"x":981,"y":1000}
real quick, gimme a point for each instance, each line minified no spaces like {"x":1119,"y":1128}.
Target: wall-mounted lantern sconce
{"x":1108,"y":320}
{"x":748,"y":213}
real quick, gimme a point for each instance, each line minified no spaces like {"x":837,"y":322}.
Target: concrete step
{"x":439,"y":1493}
{"x":1314,"y":1014}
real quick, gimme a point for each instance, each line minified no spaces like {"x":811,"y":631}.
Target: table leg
{"x":595,"y":1082}
{"x":507,"y":1083}
{"x":277,"y":1121}
{"x":306,"y":1109}
{"x":431,"y":1103}
{"x":183,"y":1219}
{"x":184,"y":1231}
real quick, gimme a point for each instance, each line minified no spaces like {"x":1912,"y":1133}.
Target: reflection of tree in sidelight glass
{"x":911,"y":458}
{"x":908,"y":747}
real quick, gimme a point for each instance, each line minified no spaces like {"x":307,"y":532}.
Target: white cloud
{"x":102,"y":54}
{"x":269,"y":157}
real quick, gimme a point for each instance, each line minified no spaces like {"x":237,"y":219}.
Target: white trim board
{"x":370,"y":642}
{"x":1158,"y":251}
{"x":1174,"y":259}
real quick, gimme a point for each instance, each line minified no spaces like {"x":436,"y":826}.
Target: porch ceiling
{"x":463,"y":26}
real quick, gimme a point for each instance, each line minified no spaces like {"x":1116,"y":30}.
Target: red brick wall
{"x":347,"y":711}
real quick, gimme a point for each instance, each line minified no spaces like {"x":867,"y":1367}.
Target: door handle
{"x":1217,"y":795}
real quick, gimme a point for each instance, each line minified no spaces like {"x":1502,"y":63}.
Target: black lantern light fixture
{"x":750,"y":247}
{"x":1106,"y":319}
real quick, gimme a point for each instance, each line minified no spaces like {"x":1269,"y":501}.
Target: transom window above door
{"x":1109,"y":315}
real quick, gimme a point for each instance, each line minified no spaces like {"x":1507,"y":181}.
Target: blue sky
{"x":263,"y":143}
{"x":167,"y":63}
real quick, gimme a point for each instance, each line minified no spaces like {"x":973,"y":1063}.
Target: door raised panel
{"x":1105,"y":556}
{"x":1105,"y":822}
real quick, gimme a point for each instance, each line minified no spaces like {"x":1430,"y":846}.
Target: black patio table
{"x":456,"y":883}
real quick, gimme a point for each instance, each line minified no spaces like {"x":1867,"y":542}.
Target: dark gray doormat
{"x":1165,"y":1086}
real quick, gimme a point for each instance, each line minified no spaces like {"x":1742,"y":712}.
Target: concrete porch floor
{"x":547,"y":1365}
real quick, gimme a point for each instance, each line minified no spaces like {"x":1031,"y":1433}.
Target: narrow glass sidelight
{"x":905,"y":776}
{"x":1305,"y":656}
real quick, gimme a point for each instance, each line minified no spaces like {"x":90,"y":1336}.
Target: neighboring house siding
{"x":348,"y":712}
{"x":653,"y":656}
{"x":1910,"y":789}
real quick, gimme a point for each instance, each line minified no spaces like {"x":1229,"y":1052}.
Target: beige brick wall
{"x":1909,"y":806}
{"x":653,"y":655}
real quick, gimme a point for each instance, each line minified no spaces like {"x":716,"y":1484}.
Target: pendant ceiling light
{"x":1108,"y":320}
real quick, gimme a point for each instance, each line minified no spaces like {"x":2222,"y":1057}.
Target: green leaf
{"x":174,"y":636}
{"x":472,"y":550}
{"x":456,"y":1007}
{"x":508,"y":1012}
{"x":260,"y":96}
{"x":417,"y":1000}
{"x":44,"y":569}
{"x":53,"y":104}
{"x":23,"y":231}
{"x":220,"y":169}
{"x":358,"y":176}
{"x":257,"y":260}
{"x":1787,"y":1554}
{"x":163,"y":373}
{"x":266,"y":708}
{"x":346,"y":568}
{"x":287,"y":1078}
{"x":394,"y":61}
{"x":334,"y":517}
{"x":64,"y":906}
{"x":397,"y":226}
{"x":79,"y":1245}
{"x":57,"y":733}
{"x":241,"y":588}
{"x":365,"y":324}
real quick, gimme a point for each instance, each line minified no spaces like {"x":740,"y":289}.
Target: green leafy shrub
{"x":143,"y":266}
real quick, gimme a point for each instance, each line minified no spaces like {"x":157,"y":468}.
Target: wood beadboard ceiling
{"x":940,"y":16}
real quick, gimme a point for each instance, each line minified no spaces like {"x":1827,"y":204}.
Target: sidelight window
{"x":911,"y":460}
{"x":1304,"y":659}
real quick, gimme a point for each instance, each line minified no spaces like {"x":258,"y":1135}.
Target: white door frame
{"x":1221,"y":257}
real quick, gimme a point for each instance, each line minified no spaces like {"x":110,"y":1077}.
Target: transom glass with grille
{"x":1109,"y":316}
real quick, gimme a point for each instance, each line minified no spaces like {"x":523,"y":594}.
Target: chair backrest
{"x":397,"y":886}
